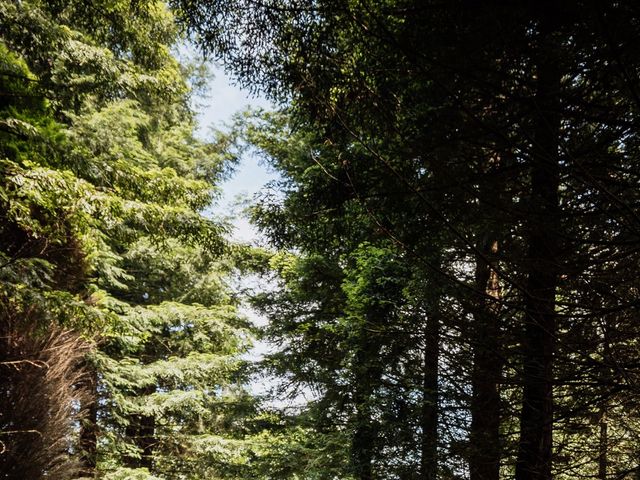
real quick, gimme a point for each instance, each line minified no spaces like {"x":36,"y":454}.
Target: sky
{"x":224,"y":100}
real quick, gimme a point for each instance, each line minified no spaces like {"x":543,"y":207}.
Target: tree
{"x":115,"y":308}
{"x":397,"y":94}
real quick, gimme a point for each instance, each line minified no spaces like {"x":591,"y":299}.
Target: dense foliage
{"x":122,"y":342}
{"x":451,"y":286}
{"x":460,"y":193}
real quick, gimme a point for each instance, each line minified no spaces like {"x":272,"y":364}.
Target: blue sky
{"x":224,"y":100}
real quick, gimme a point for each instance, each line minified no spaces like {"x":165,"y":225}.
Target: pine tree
{"x":399,"y":93}
{"x":115,"y":308}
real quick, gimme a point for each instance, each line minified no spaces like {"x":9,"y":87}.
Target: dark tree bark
{"x":365,"y":433}
{"x":89,"y":430}
{"x":362,"y":448}
{"x":141,"y":432}
{"x":603,"y":442}
{"x":536,"y":421}
{"x":368,"y":372}
{"x":429,"y":414}
{"x":484,"y":455}
{"x":147,"y":441}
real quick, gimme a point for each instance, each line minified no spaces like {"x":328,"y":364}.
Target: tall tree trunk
{"x":141,"y":432}
{"x":147,"y":440}
{"x":365,"y":435}
{"x":536,"y":421}
{"x":429,"y":414}
{"x":362,"y":443}
{"x":603,"y":442}
{"x":89,"y":429}
{"x":603,"y":421}
{"x":484,"y":458}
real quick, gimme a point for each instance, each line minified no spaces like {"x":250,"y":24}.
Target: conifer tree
{"x":396,"y":94}
{"x":116,"y":313}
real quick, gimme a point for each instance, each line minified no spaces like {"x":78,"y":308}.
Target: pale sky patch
{"x":225,"y":99}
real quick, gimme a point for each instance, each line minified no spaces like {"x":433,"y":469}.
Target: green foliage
{"x":500,"y":171}
{"x":130,"y":474}
{"x":102,"y":229}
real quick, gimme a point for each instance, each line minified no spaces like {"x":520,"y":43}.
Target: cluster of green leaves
{"x":498,"y":172}
{"x":102,"y":230}
{"x":346,"y":312}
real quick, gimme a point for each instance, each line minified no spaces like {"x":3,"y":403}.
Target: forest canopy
{"x":448,"y":274}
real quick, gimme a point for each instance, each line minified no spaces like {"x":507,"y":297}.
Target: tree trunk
{"x":89,"y":430}
{"x":365,"y":436}
{"x":536,"y":421}
{"x":147,"y":440}
{"x":362,"y":443}
{"x":429,"y":420}
{"x":141,"y":432}
{"x":603,"y":442}
{"x":484,"y":458}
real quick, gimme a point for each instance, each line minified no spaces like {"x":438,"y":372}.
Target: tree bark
{"x":89,"y":430}
{"x":536,"y":421}
{"x":365,"y":435}
{"x":429,"y":414}
{"x":362,"y":448}
{"x":141,"y":432}
{"x":484,"y":458}
{"x":147,"y":440}
{"x":603,"y":442}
